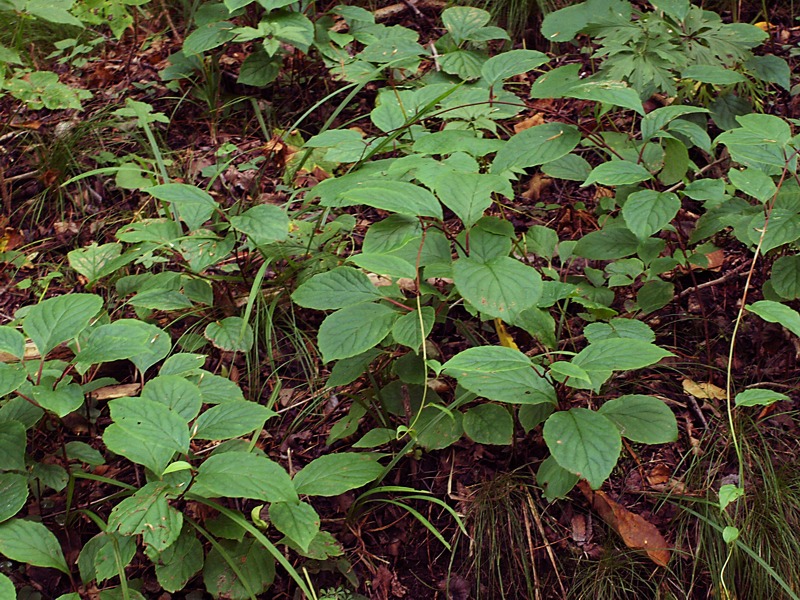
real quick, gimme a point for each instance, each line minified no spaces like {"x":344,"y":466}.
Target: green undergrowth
{"x":430,"y":319}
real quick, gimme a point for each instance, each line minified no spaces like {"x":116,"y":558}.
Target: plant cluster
{"x":436,"y":172}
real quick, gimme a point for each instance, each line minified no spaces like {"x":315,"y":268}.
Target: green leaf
{"x":532,"y":415}
{"x":95,"y":262}
{"x":462,"y":21}
{"x":654,"y":295}
{"x":31,"y":543}
{"x":176,"y":393}
{"x":60,"y":319}
{"x":335,"y":474}
{"x":215,"y":389}
{"x":753,"y":182}
{"x":13,"y":495}
{"x":263,"y":224}
{"x":583,"y":442}
{"x":148,"y":513}
{"x":338,"y":288}
{"x":616,"y":93}
{"x":84,"y":452}
{"x":254,"y":562}
{"x":775,"y":312}
{"x":207,"y":37}
{"x":489,"y":424}
{"x":468,"y":195}
{"x":407,"y":331}
{"x":713,"y":74}
{"x":536,"y":146}
{"x":619,"y":328}
{"x":181,"y":561}
{"x":293,"y":28}
{"x":648,"y":212}
{"x":231,"y":419}
{"x":146,"y":432}
{"x":438,"y":429}
{"x":564,"y":370}
{"x":759,"y":397}
{"x":501,"y":374}
{"x":298,"y":521}
{"x":12,"y":446}
{"x":676,"y":161}
{"x":511,"y":63}
{"x":121,"y":340}
{"x":11,"y":342}
{"x":607,"y":244}
{"x":7,"y":591}
{"x":642,"y":419}
{"x":63,"y":400}
{"x":500,"y":288}
{"x":466,"y":64}
{"x":617,"y":172}
{"x":243,"y":475}
{"x":259,"y":69}
{"x":384,"y":264}
{"x":570,"y":167}
{"x":232,"y":334}
{"x":449,"y":141}
{"x":602,"y":358}
{"x":786,"y":276}
{"x":658,"y":119}
{"x":97,"y":559}
{"x":396,"y":196}
{"x":770,"y":68}
{"x":556,"y":481}
{"x":194,"y":205}
{"x":11,"y":378}
{"x":354,"y":329}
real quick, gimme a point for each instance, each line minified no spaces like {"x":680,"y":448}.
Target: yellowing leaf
{"x":506,"y":339}
{"x":703,"y":391}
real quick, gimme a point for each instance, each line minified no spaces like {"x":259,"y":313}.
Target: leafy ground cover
{"x":343,"y":301}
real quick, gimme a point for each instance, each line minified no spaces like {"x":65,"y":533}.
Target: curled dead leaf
{"x":703,"y":391}
{"x":532,"y":121}
{"x":636,"y":531}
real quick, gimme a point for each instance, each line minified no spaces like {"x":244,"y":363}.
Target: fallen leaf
{"x":110,"y":392}
{"x":703,"y":391}
{"x":636,"y":531}
{"x":532,"y":121}
{"x":10,"y":239}
{"x":536,"y":185}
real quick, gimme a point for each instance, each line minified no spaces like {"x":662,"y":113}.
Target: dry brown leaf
{"x":703,"y":391}
{"x":532,"y":121}
{"x":636,"y":531}
{"x":110,"y":392}
{"x":603,"y":192}
{"x":536,"y":185}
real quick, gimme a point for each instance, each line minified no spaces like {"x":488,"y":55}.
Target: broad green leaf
{"x":658,"y":119}
{"x":619,"y":328}
{"x":771,"y":68}
{"x":536,"y":146}
{"x":121,"y":340}
{"x":676,"y":161}
{"x":760,"y":141}
{"x":13,"y":495}
{"x":468,"y":195}
{"x":411,"y":330}
{"x":259,"y":68}
{"x":617,"y":172}
{"x":95,"y":262}
{"x":616,"y":93}
{"x":231,"y":419}
{"x":293,"y":28}
{"x":338,"y":288}
{"x":642,"y":419}
{"x":31,"y":543}
{"x":297,"y":520}
{"x":654,"y":295}
{"x":12,"y":446}
{"x":216,"y":389}
{"x":263,"y":224}
{"x":775,"y":312}
{"x":161,"y":300}
{"x":437,"y":429}
{"x":54,"y":11}
{"x":254,"y":562}
{"x":449,"y":141}
{"x":396,"y":196}
{"x":181,"y":561}
{"x":384,"y":264}
{"x":607,"y":244}
{"x":207,"y":37}
{"x":11,"y":378}
{"x":466,"y":64}
{"x":7,"y":591}
{"x":63,"y":400}
{"x":500,"y":288}
{"x":232,"y":334}
{"x":759,"y":397}
{"x":11,"y":342}
{"x":354,"y":329}
{"x":713,"y":74}
{"x":60,"y":319}
{"x":146,"y":432}
{"x":753,"y":182}
{"x":786,"y":276}
{"x":489,"y":424}
{"x":602,"y":358}
{"x":555,"y":481}
{"x":243,"y":475}
{"x":677,"y":9}
{"x":84,"y":452}
{"x":564,"y":370}
{"x":335,"y":474}
{"x":462,"y":21}
{"x":648,"y":212}
{"x":570,"y":166}
{"x":532,"y":415}
{"x":375,"y":437}
{"x":148,"y":513}
{"x":194,"y":205}
{"x":511,"y":63}
{"x":20,"y":410}
{"x":783,"y":228}
{"x":176,"y":393}
{"x":583,"y":442}
{"x":501,"y":374}
{"x":97,"y":560}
